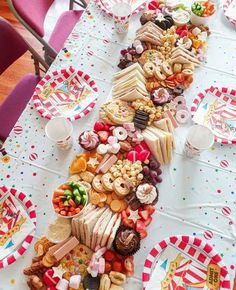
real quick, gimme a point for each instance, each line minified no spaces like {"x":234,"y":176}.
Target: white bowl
{"x":199,"y":20}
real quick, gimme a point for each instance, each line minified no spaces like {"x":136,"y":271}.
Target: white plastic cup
{"x":199,"y":139}
{"x":199,"y":20}
{"x":121,"y":14}
{"x":60,"y":130}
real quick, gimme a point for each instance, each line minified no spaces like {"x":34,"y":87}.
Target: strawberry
{"x":117,"y":266}
{"x":129,"y":223}
{"x":144,"y":214}
{"x":129,"y":264}
{"x":103,"y":136}
{"x":106,"y":128}
{"x":98,"y":126}
{"x":128,"y":209}
{"x":143,"y":234}
{"x":107,"y":267}
{"x":148,"y":221}
{"x":151,"y":209}
{"x":124,"y":215}
{"x":140,"y":226}
{"x":171,"y":78}
{"x":109,"y":256}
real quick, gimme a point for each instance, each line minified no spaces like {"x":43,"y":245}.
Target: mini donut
{"x":167,"y":69}
{"x":159,"y":74}
{"x":117,"y":278}
{"x":149,"y":68}
{"x":187,"y":72}
{"x":180,"y":100}
{"x":120,"y":133}
{"x":97,"y":183}
{"x":182,"y":116}
{"x":121,"y":187}
{"x":177,"y":68}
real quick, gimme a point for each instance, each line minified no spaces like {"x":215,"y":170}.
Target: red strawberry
{"x":103,"y":136}
{"x":144,"y":214}
{"x":129,"y":264}
{"x":148,"y":221}
{"x":128,"y":223}
{"x":117,"y":266}
{"x":151,"y":209}
{"x":124,"y":215}
{"x":98,"y":126}
{"x":107,"y":128}
{"x":140,"y":226}
{"x":109,"y":256}
{"x":183,"y":33}
{"x":107,"y":267}
{"x":143,"y":234}
{"x":128,"y":209}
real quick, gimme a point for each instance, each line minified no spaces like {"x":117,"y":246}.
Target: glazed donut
{"x":117,"y":278}
{"x":120,"y":187}
{"x":180,"y":100}
{"x":120,"y":133}
{"x":166,"y":69}
{"x":187,"y":72}
{"x":159,"y":74}
{"x":149,"y":68}
{"x":182,"y":116}
{"x":177,"y":68}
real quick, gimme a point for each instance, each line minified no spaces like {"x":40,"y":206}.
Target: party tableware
{"x":216,"y":108}
{"x":121,"y":13}
{"x":65,"y":93}
{"x":59,"y":130}
{"x":229,"y":8}
{"x":184,"y":262}
{"x":106,"y":5}
{"x":18,"y":224}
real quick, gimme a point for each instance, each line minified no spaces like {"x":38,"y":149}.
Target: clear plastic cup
{"x":60,"y":130}
{"x":121,"y":14}
{"x":199,"y":139}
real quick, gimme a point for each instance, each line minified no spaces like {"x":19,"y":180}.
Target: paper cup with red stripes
{"x":121,"y":13}
{"x":60,"y":130}
{"x":199,"y":139}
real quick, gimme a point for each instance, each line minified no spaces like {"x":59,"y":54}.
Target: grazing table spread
{"x":197,"y":197}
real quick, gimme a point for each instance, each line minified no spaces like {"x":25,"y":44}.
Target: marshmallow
{"x":75,"y":281}
{"x":112,"y":140}
{"x":62,"y":285}
{"x":115,"y":148}
{"x":102,"y":149}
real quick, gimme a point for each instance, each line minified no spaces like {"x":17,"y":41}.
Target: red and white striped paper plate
{"x":228,"y":95}
{"x":192,"y":270}
{"x":30,"y":209}
{"x":225,"y":8}
{"x":106,"y":5}
{"x":58,"y":94}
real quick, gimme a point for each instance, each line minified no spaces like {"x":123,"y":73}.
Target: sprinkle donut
{"x":149,"y":69}
{"x":120,"y":133}
{"x":120,"y":187}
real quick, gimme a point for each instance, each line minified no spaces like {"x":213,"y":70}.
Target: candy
{"x":180,"y":100}
{"x":112,"y":140}
{"x":182,"y":116}
{"x":139,"y":49}
{"x":48,"y":278}
{"x":144,"y":155}
{"x":102,"y":149}
{"x":115,"y":148}
{"x":132,"y":156}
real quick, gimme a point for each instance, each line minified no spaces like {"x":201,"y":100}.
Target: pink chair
{"x":12,"y":47}
{"x":32,"y":15}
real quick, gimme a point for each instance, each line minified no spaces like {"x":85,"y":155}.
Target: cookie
{"x":149,"y":68}
{"x":120,"y":187}
{"x":94,"y":197}
{"x":107,"y":181}
{"x":91,"y":283}
{"x":97,"y":183}
{"x":48,"y":260}
{"x":151,"y":55}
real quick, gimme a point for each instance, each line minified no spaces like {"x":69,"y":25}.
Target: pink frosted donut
{"x":180,"y":100}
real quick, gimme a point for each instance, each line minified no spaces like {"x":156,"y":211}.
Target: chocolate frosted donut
{"x":127,"y":241}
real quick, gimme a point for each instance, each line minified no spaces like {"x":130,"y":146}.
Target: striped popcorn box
{"x":121,"y":14}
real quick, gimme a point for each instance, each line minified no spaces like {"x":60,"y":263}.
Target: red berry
{"x":183,"y":33}
{"x":129,"y":264}
{"x":106,"y":128}
{"x":103,"y":136}
{"x":140,"y":226}
{"x":151,"y":209}
{"x":117,"y":266}
{"x":98,"y":126}
{"x":107,"y":267}
{"x":128,"y":209}
{"x":109,"y":256}
{"x":148,"y":221}
{"x":128,"y":223}
{"x":143,"y":234}
{"x":144,"y":214}
{"x":124,"y":215}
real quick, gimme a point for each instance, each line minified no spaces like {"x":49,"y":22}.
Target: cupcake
{"x":127,"y":241}
{"x":160,"y":96}
{"x":147,"y":193}
{"x":88,"y":140}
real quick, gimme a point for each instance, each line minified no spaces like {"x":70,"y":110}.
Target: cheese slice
{"x":153,"y":143}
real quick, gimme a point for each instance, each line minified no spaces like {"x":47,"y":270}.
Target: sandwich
{"x":113,"y":232}
{"x":166,"y":125}
{"x":129,"y":69}
{"x":183,"y":56}
{"x":108,"y":230}
{"x":150,"y":26}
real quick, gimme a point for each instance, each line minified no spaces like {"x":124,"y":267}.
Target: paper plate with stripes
{"x":18,"y":224}
{"x":216,"y":109}
{"x":184,"y":262}
{"x":106,"y":5}
{"x":226,"y":6}
{"x":65,"y":93}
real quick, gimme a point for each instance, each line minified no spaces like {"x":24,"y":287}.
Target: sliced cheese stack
{"x":96,"y":226}
{"x":151,"y":33}
{"x":130,"y":84}
{"x":183,"y":56}
{"x":160,"y":140}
